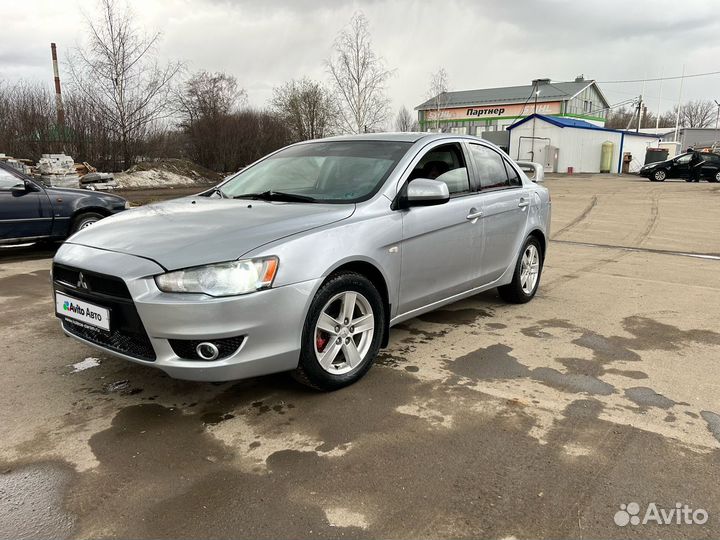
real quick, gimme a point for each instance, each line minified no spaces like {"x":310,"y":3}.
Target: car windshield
{"x":329,"y":172}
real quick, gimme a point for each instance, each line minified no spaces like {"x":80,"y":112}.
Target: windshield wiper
{"x":271,"y":195}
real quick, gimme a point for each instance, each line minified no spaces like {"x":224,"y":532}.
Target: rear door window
{"x":491,"y":169}
{"x":513,"y":176}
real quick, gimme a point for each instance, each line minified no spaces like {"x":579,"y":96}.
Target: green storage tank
{"x":606,"y":157}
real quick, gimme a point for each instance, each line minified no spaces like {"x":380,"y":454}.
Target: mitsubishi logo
{"x":81,"y":283}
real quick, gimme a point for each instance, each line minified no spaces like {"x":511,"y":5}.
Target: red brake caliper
{"x":321,"y":340}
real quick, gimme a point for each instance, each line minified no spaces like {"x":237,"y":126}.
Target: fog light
{"x":207,"y":351}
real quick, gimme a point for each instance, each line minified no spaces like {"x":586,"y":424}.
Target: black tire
{"x":658,"y":176}
{"x":85,"y":220}
{"x":513,"y":292}
{"x":714,"y":177}
{"x":309,"y":370}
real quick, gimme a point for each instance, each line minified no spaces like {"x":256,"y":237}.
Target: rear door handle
{"x":523,"y":202}
{"x":474,"y":214}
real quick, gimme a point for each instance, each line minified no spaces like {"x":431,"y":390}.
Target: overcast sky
{"x":481,"y":44}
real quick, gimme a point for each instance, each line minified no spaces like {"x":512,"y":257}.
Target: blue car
{"x":30,"y":211}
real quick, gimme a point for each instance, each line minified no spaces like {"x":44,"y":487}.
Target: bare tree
{"x":437,"y":92}
{"x":359,"y":77}
{"x":308,"y":107}
{"x":116,"y":72}
{"x":209,"y":95}
{"x":404,"y":120}
{"x":27,"y":120}
{"x":696,"y":114}
{"x":622,"y":117}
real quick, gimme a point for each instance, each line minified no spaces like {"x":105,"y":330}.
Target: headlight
{"x":225,"y":279}
{"x":127,"y":205}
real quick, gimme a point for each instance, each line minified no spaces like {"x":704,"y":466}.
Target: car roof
{"x":410,"y":137}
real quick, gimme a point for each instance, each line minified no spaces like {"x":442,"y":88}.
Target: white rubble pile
{"x":58,"y":170}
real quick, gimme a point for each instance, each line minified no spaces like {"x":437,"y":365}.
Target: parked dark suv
{"x":30,"y":211}
{"x":679,"y":167}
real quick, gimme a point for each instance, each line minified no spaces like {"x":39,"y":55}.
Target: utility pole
{"x":677,"y":115}
{"x":718,"y":115}
{"x":536,"y":87}
{"x":640,"y":104}
{"x":657,"y":119}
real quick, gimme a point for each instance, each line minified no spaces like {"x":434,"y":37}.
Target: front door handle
{"x":523,"y":202}
{"x":474,"y":214}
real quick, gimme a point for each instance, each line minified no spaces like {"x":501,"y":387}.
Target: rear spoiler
{"x":535,"y":171}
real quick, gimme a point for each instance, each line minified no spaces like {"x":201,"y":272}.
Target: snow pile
{"x":152,"y":178}
{"x":165,"y":173}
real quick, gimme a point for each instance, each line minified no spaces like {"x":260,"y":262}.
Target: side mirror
{"x":535,"y":171}
{"x":21,"y":187}
{"x":426,"y":192}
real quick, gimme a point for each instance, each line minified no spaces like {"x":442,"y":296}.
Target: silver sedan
{"x":305,"y":259}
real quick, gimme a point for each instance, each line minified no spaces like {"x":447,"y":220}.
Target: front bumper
{"x":270,"y":321}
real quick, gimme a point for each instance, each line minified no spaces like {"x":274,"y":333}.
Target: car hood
{"x":197,"y":230}
{"x":654,"y":164}
{"x":75,"y":192}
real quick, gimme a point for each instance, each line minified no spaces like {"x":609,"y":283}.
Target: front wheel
{"x":715,"y":177}
{"x":526,"y":278}
{"x":85,"y":220}
{"x":659,"y":176}
{"x":342,"y":332}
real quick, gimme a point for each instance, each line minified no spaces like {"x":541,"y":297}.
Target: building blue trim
{"x":578,"y":124}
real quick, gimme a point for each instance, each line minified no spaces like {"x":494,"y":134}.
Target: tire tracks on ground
{"x":580,"y":218}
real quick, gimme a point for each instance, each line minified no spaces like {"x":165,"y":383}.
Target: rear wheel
{"x":342,"y":332}
{"x":85,"y":220}
{"x":715,"y":177}
{"x":659,"y":176}
{"x":526,"y":278}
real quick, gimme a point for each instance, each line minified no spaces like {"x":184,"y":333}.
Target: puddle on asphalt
{"x":713,"y":422}
{"x":647,"y":334}
{"x":495,"y":362}
{"x":647,"y":397}
{"x":629,"y":373}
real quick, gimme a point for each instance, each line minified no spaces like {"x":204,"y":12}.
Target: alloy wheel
{"x":88,"y":223}
{"x":529,"y":269}
{"x":344,"y":332}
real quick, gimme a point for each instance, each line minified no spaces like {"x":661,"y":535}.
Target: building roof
{"x":556,"y":91}
{"x":563,"y":122}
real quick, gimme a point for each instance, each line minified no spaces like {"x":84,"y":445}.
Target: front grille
{"x":127,"y":334}
{"x":96,"y":283}
{"x":185,"y":348}
{"x":134,"y":345}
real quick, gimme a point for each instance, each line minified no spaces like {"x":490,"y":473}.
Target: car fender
{"x":372,"y":236}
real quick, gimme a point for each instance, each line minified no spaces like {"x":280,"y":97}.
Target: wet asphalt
{"x":479,"y":420}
